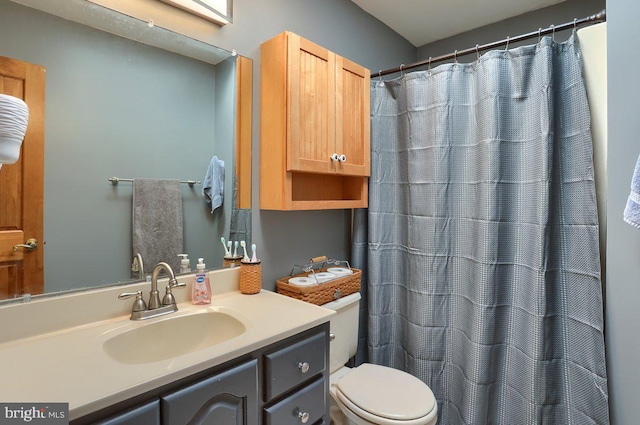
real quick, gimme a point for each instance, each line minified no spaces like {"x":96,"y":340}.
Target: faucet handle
{"x":169,"y":299}
{"x":175,"y":284}
{"x":138,"y":304}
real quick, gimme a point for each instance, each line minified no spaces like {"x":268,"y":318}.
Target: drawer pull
{"x":335,"y":157}
{"x":304,"y":367}
{"x":332,"y":336}
{"x":303,"y":416}
{"x":343,"y":158}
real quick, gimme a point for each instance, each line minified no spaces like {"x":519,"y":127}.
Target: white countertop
{"x":69,"y":365}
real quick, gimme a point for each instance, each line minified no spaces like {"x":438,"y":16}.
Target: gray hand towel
{"x":157,"y":221}
{"x":213,"y":183}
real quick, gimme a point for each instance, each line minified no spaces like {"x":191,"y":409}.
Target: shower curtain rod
{"x":598,"y":17}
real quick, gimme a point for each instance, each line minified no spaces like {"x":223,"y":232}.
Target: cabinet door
{"x":226,"y":398}
{"x":311,"y":101}
{"x":146,"y":414}
{"x":352,"y":118}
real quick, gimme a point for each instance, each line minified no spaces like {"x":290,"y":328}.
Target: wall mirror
{"x":129,"y":100}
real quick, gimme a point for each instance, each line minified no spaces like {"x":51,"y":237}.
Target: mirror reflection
{"x":115,"y":107}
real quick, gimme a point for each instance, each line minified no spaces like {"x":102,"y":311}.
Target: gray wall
{"x":529,"y":22}
{"x":623,"y":241}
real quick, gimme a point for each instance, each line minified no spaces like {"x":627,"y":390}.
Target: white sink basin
{"x":172,"y":337}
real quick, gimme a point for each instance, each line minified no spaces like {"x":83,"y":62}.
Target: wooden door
{"x":22,"y":186}
{"x":311,"y":106}
{"x":352,"y":118}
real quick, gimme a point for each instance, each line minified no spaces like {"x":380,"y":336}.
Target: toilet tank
{"x":344,"y":325}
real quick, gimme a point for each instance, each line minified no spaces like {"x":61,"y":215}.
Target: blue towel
{"x":213,"y":183}
{"x":632,"y":210}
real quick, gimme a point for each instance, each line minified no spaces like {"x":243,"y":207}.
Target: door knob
{"x":30,"y":245}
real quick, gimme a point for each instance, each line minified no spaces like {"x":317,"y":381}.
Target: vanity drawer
{"x":294,"y":364}
{"x":304,"y":406}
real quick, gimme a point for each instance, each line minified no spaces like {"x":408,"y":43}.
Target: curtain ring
{"x":553,"y":33}
{"x":455,"y":57}
{"x":539,"y":34}
{"x":478,"y":51}
{"x":575,"y":23}
{"x":401,"y":73}
{"x":507,"y":46}
{"x":429,"y":66}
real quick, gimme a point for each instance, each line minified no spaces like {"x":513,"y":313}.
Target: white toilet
{"x":371,"y":394}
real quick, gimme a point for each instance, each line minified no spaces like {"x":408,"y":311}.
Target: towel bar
{"x":115,"y":180}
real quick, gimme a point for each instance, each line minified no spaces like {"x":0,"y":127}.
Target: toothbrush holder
{"x":231,"y":261}
{"x":250,"y":277}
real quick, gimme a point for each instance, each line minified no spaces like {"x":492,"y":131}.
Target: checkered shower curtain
{"x":482,"y":248}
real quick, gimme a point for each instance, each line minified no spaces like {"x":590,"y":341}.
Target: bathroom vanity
{"x":250,"y":359}
{"x":283,"y":383}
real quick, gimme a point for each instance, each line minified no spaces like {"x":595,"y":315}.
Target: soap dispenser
{"x":201,"y":293}
{"x":185,"y":265}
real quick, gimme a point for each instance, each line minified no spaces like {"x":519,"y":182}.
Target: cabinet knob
{"x":335,"y":157}
{"x":343,"y":158}
{"x":304,"y":367}
{"x":303,"y":416}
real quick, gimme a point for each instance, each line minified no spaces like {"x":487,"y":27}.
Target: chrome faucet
{"x":138,"y":266}
{"x":154,"y":296}
{"x":154,"y":308}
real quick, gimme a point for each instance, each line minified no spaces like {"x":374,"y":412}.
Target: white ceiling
{"x":424,"y":21}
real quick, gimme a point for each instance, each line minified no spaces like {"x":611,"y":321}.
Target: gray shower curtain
{"x":482,"y":248}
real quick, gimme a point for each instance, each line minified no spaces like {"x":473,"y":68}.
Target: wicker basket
{"x":321,"y":293}
{"x":250,"y":277}
{"x":231,"y":261}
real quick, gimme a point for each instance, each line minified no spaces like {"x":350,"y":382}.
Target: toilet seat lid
{"x":387,"y":393}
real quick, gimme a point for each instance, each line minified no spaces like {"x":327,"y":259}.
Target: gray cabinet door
{"x":227,"y":398}
{"x":146,"y":414}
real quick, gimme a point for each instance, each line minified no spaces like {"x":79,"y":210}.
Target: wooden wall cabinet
{"x":314,"y":127}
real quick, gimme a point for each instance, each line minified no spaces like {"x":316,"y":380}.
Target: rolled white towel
{"x":632,"y":210}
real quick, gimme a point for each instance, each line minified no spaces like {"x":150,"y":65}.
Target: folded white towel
{"x":213,"y":183}
{"x":632,"y":210}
